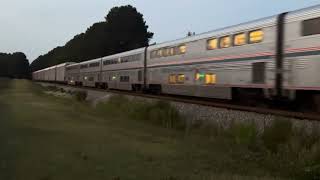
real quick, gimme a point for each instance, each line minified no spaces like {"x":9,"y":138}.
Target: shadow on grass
{"x":7,"y":150}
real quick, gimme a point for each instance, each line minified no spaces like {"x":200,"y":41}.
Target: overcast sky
{"x":37,"y":26}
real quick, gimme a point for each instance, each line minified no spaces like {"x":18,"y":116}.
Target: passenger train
{"x":274,"y":58}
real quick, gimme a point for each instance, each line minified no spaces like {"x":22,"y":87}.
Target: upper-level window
{"x":171,"y":51}
{"x":212,"y":44}
{"x":71,"y":68}
{"x":256,"y":36}
{"x":239,"y":39}
{"x":168,"y":51}
{"x":225,"y":42}
{"x":96,"y":64}
{"x":182,"y":49}
{"x":311,"y":27}
{"x":165,"y":52}
{"x":159,"y":53}
{"x":83,"y":66}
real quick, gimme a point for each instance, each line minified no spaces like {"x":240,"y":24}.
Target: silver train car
{"x":275,"y":57}
{"x":55,"y":73}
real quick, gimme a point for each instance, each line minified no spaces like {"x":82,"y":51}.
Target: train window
{"x":165,"y":52}
{"x":256,"y":36}
{"x":124,"y":78}
{"x":172,"y":79}
{"x":210,"y":79}
{"x":160,"y":53}
{"x":199,"y":76}
{"x":182,"y":49}
{"x":311,"y":27}
{"x":91,"y":78}
{"x":83,"y":66}
{"x":153,"y":54}
{"x":96,"y":64}
{"x":181,"y":78}
{"x":212,"y":44}
{"x":239,"y":39}
{"x":171,"y":52}
{"x":225,"y":42}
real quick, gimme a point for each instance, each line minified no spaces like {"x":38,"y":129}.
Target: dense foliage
{"x":123,"y":29}
{"x":14,"y":65}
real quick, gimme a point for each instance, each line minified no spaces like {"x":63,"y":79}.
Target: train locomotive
{"x":273,"y":58}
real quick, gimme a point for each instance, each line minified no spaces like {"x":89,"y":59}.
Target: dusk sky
{"x":37,"y":26}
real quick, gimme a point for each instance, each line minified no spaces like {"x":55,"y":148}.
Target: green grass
{"x":43,"y":137}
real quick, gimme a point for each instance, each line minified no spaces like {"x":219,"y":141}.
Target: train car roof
{"x":259,"y":23}
{"x":305,"y":13}
{"x":127,"y":53}
{"x":64,"y":64}
{"x":90,"y":61}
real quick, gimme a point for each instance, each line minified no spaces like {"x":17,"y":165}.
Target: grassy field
{"x":43,"y":137}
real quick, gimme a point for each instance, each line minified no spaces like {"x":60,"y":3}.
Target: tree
{"x":14,"y":65}
{"x":123,"y":29}
{"x":127,"y":29}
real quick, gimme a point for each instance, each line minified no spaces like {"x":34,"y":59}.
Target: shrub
{"x":52,"y":88}
{"x":311,"y":173}
{"x":157,"y":112}
{"x":80,"y":95}
{"x":243,"y":133}
{"x":277,"y":134}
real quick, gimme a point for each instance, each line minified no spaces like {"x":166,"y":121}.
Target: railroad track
{"x":209,"y":102}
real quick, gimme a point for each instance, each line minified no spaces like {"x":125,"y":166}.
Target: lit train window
{"x":256,"y":36}
{"x":225,"y":42}
{"x":239,"y":39}
{"x":181,"y":78}
{"x":212,"y":44}
{"x":311,"y":27}
{"x":199,"y":76}
{"x":165,"y":52}
{"x":172,"y":79}
{"x":159,"y":53}
{"x":171,"y":52}
{"x":182,"y":49}
{"x":210,"y":79}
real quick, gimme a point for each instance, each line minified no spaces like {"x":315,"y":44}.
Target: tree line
{"x":15,"y":65}
{"x":124,"y":29}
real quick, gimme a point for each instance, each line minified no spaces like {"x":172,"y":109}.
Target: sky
{"x":37,"y":26}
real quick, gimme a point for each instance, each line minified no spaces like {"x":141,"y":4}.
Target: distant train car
{"x":73,"y":74}
{"x":52,"y":74}
{"x":90,"y":72}
{"x":38,"y":75}
{"x":61,"y":72}
{"x":123,"y":71}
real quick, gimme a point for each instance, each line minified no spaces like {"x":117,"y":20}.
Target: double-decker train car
{"x":275,"y":57}
{"x":73,"y":74}
{"x":124,"y":71}
{"x":89,"y":72}
{"x":55,"y":73}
